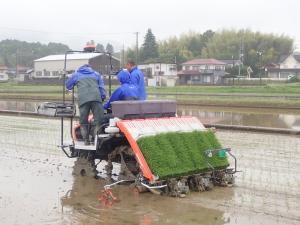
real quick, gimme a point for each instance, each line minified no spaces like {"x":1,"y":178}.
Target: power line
{"x":64,"y":33}
{"x":137,"y":47}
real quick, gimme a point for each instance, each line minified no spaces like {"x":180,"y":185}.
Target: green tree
{"x":100,"y":48}
{"x":130,"y":54}
{"x":187,"y":46}
{"x":149,"y":50}
{"x":91,"y":42}
{"x":236,"y":70}
{"x":227,"y":44}
{"x":13,"y":51}
{"x":109,"y":48}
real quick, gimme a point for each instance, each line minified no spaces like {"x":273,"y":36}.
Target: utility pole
{"x":123,"y":57}
{"x":241,"y":55}
{"x":137,"y":48}
{"x":260,"y":54}
{"x":16,"y":74}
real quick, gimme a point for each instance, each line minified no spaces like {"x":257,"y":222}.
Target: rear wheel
{"x":129,"y":166}
{"x":85,"y":165}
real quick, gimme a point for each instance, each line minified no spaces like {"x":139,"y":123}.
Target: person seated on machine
{"x":127,"y":90}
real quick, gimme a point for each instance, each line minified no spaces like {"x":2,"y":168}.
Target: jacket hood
{"x":124,"y":77}
{"x":133,"y":68}
{"x":85,"y":69}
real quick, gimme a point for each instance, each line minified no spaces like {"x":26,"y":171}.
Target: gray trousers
{"x":84,"y":111}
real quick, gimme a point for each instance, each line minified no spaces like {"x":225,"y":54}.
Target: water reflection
{"x":27,"y":106}
{"x":244,"y":117}
{"x":35,"y":179}
{"x":214,"y":115}
{"x":81,"y":205}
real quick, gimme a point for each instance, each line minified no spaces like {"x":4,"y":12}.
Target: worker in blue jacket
{"x":137,"y":78}
{"x":91,"y":94}
{"x":127,"y":90}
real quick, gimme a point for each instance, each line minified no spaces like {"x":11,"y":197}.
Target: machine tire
{"x":124,"y":155}
{"x":85,"y":166}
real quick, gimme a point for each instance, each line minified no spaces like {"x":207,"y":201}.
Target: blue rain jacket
{"x":127,"y":90}
{"x":89,"y":84}
{"x":137,"y":78}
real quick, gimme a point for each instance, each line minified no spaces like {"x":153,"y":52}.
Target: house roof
{"x":75,"y":56}
{"x":3,"y":67}
{"x":231,"y":61}
{"x":204,"y":62}
{"x":193,"y":73}
{"x":20,"y":67}
{"x":282,"y":58}
{"x":295,"y":54}
{"x":158,"y":63}
{"x":198,"y":73}
{"x":284,"y":70}
{"x":271,"y":65}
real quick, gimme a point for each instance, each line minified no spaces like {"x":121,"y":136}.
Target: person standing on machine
{"x":91,"y":94}
{"x":137,"y":78}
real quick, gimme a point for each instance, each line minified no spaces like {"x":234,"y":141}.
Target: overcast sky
{"x":74,"y":22}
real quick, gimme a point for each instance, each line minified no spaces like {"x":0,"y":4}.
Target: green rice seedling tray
{"x":178,"y":154}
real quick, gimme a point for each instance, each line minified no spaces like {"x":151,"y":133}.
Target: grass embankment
{"x":178,"y":154}
{"x":235,"y":101}
{"x":248,"y":96}
{"x":269,"y":89}
{"x":276,"y":96}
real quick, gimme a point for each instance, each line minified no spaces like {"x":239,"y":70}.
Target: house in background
{"x":3,"y":73}
{"x":3,"y":69}
{"x":160,"y":74}
{"x":22,"y":69}
{"x":231,"y":62}
{"x":202,"y":71}
{"x":52,"y":66}
{"x":288,"y":67}
{"x":4,"y":77}
{"x":49,"y":69}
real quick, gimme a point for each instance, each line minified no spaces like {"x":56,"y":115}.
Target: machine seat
{"x":143,"y":109}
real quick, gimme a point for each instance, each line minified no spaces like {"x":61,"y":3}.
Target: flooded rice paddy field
{"x":37,"y":186}
{"x":262,"y":117}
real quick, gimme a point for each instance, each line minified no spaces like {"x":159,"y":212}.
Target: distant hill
{"x":23,"y":53}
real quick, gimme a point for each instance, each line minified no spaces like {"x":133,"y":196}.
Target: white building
{"x":288,"y":67}
{"x":3,"y":77}
{"x":3,"y":69}
{"x":160,"y":74}
{"x":202,"y":71}
{"x":52,"y":66}
{"x":159,"y":69}
{"x":291,"y":62}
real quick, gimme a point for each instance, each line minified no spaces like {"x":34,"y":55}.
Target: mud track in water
{"x":37,"y":186}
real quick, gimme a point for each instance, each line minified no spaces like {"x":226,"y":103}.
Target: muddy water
{"x":274,"y":118}
{"x":37,"y":186}
{"x":22,"y":105}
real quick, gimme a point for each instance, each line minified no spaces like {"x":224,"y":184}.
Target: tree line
{"x":14,"y":52}
{"x":23,"y":53}
{"x":254,"y":49}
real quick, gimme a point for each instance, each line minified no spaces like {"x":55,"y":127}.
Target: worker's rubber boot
{"x":85,"y":135}
{"x":96,"y":130}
